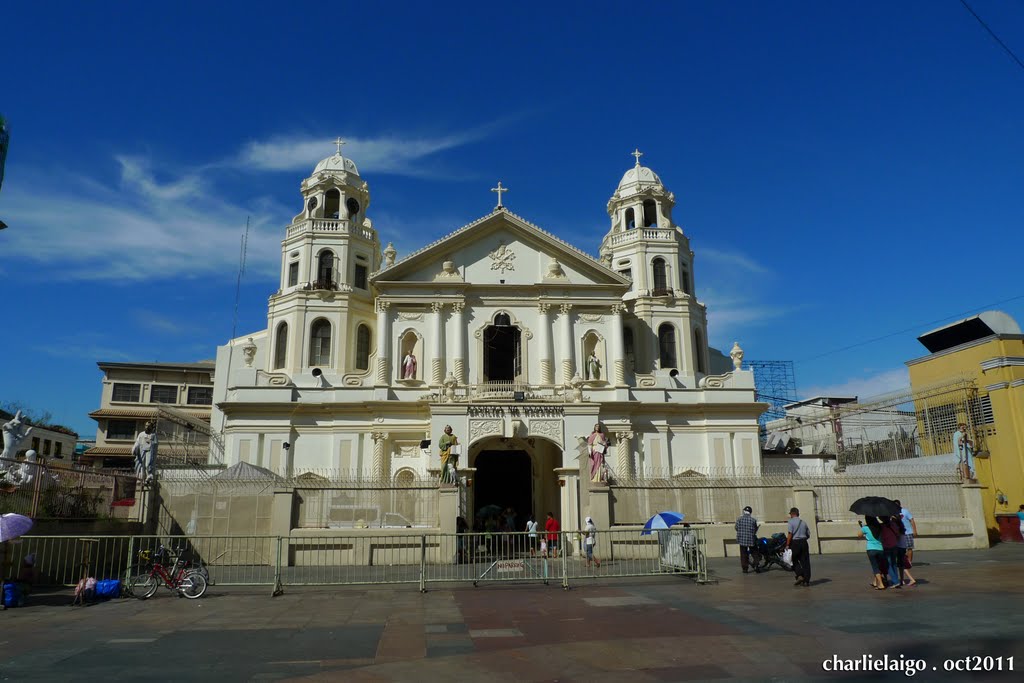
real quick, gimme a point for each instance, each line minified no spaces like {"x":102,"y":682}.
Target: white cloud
{"x":142,"y":230}
{"x":384,"y":154}
{"x":865,"y":387}
{"x":732,"y":259}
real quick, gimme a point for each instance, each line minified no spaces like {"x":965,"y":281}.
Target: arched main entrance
{"x":504,"y":479}
{"x":518,"y":473}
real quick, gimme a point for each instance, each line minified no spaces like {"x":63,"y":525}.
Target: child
{"x":543,"y":548}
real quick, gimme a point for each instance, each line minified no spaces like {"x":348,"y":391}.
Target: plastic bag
{"x":787,"y":556}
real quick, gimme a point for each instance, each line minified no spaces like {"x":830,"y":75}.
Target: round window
{"x":311,"y":204}
{"x":352,"y":205}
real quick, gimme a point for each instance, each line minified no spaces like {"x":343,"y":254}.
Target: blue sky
{"x":844,"y":170}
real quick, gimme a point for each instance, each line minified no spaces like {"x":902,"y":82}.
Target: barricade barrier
{"x":412,"y":557}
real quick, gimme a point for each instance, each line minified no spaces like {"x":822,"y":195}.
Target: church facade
{"x":519,"y":341}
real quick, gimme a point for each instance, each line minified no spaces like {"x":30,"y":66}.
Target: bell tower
{"x":328,"y":253}
{"x":669,"y":326}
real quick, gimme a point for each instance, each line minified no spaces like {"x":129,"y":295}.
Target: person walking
{"x":890,"y":546}
{"x":796,"y":540}
{"x":746,"y":538}
{"x":909,"y":529}
{"x":869,"y":532}
{"x":589,"y":541}
{"x":552,"y":528}
{"x":531,"y":532}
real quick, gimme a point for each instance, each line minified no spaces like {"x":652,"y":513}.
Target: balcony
{"x":326,"y":225}
{"x":649,"y":234}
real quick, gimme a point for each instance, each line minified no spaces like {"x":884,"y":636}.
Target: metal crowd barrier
{"x":407,"y":557}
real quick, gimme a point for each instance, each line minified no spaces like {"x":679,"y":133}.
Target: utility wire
{"x":911,"y":329}
{"x":993,"y":34}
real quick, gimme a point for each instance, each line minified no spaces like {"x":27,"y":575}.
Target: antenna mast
{"x":241,"y":270}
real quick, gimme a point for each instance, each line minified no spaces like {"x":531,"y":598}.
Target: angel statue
{"x":14,"y":433}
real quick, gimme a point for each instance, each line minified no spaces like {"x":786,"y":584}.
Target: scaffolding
{"x":774,"y":384}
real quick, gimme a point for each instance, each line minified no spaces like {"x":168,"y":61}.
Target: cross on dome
{"x":499,"y":189}
{"x":637,"y":153}
{"x":339,"y":142}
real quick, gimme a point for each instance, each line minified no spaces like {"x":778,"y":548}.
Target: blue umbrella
{"x":662,"y":520}
{"x":13,"y":525}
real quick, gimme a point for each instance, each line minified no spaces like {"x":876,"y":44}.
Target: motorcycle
{"x":769,"y":551}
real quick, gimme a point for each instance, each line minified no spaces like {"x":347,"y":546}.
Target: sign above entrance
{"x":516,"y":411}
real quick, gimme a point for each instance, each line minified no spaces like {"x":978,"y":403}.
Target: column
{"x":618,"y":346}
{"x":624,"y":454}
{"x":380,"y":465}
{"x":547,"y":354}
{"x":437,"y":343}
{"x":383,"y":341}
{"x":568,"y":348}
{"x":459,"y":343}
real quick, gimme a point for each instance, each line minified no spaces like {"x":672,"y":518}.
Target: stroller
{"x":768,"y":551}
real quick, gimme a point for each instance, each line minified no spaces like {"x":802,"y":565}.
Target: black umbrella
{"x":875,"y":506}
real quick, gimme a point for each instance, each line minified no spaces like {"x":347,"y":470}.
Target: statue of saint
{"x":449,"y":445}
{"x":593,"y":366}
{"x":598,"y":444}
{"x":409,"y":366}
{"x":144,"y":451}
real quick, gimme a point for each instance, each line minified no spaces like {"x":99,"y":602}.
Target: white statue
{"x":144,"y":451}
{"x":14,"y":433}
{"x":593,"y":366}
{"x":24,"y":473}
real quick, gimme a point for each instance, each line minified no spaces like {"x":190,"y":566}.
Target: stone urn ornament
{"x":249,"y":352}
{"x":737,"y":355}
{"x":389,"y":254}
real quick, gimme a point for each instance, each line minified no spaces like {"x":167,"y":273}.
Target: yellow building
{"x":987,"y":350}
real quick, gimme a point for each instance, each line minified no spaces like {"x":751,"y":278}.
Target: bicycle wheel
{"x":193,"y":585}
{"x":143,"y":586}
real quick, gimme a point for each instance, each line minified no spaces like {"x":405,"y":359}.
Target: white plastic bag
{"x":787,"y":556}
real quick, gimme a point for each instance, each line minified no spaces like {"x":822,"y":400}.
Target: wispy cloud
{"x":733,"y":259}
{"x":140,"y":229}
{"x":394,"y":154}
{"x":865,"y":387}
{"x":154,"y":322}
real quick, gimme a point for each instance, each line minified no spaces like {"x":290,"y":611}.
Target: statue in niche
{"x":593,"y":366}
{"x":14,"y":433}
{"x":598,"y":444}
{"x":409,"y":365}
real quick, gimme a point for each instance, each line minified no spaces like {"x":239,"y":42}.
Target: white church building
{"x":518,"y":340}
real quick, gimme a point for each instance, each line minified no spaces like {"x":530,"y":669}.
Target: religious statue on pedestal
{"x":450,"y":450}
{"x":144,"y":451}
{"x":593,"y":366}
{"x":409,"y":366}
{"x":598,"y":444}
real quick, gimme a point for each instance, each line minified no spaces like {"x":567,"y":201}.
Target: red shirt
{"x":551,"y":526}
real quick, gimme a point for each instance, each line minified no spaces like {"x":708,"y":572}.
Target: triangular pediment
{"x":501,"y":248}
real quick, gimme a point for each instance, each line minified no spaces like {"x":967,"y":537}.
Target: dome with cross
{"x":637,"y":178}
{"x":336,"y":162}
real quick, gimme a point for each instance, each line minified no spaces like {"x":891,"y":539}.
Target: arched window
{"x":667,"y":345}
{"x":628,"y":347}
{"x":332,"y":203}
{"x":325,"y":270}
{"x":650,"y":213}
{"x":363,"y":348}
{"x":698,"y":350}
{"x":630,"y":219}
{"x":684,"y":277}
{"x":281,"y":346}
{"x":352,"y":206}
{"x":660,"y":277}
{"x":320,"y":343}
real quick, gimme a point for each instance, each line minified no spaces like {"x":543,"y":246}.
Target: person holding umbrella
{"x":870,"y":533}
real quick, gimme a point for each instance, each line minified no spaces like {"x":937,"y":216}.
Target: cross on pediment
{"x":500,"y":190}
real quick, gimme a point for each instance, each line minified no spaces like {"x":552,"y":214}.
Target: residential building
{"x":175,"y":396}
{"x":986,"y":350}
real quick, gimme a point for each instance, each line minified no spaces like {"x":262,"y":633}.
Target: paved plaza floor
{"x":744,"y":627}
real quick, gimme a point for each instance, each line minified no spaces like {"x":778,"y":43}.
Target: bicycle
{"x":189,"y":582}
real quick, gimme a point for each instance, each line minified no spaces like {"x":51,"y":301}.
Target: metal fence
{"x":710,"y":497}
{"x":402,"y":558}
{"x":43,"y":492}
